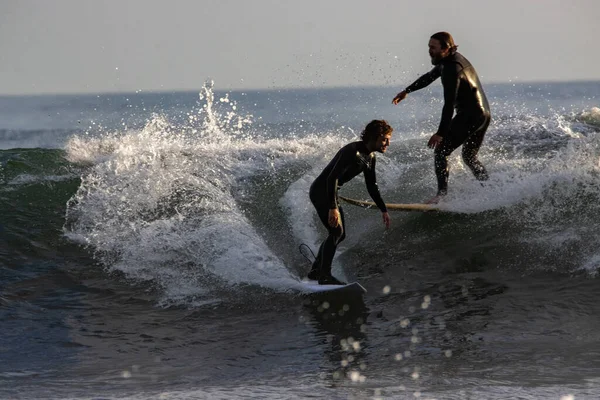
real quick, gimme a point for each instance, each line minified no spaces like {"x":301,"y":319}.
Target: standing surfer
{"x":463,"y":92}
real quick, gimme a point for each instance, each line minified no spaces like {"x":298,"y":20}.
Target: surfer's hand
{"x":334,"y":217}
{"x":386,"y":219}
{"x":434,"y":141}
{"x":399,"y":97}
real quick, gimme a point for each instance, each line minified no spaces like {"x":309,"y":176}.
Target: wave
{"x":591,"y":117}
{"x":198,"y":207}
{"x":161,"y":204}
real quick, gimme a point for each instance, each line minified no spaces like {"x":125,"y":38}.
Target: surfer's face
{"x":436,"y":52}
{"x":382,"y":143}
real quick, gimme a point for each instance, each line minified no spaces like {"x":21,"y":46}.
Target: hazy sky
{"x":67,"y":46}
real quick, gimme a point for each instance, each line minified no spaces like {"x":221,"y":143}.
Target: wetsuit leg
{"x":471,"y":148}
{"x":463,"y":127}
{"x":334,"y":238}
{"x":329,"y":246}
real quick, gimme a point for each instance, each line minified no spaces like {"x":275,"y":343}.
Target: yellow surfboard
{"x":392,"y":206}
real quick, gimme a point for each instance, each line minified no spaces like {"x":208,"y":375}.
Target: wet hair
{"x":374,"y":129}
{"x":446,"y":40}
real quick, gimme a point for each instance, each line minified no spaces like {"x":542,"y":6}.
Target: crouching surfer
{"x":350,"y":160}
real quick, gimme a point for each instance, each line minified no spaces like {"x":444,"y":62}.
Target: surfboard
{"x":394,"y":206}
{"x":353,"y":288}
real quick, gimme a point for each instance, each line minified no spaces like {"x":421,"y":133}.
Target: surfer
{"x":350,"y":160}
{"x":463,"y":92}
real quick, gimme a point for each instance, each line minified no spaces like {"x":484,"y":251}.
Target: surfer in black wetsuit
{"x":463,"y":92}
{"x":351,"y":160}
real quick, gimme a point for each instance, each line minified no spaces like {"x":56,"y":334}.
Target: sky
{"x":89,"y":46}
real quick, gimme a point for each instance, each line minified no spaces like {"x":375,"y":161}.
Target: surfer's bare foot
{"x":330,"y":280}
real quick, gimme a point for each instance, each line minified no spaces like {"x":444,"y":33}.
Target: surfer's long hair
{"x":374,"y":129}
{"x":446,"y":40}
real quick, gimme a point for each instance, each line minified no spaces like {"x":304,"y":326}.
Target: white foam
{"x":571,"y":161}
{"x":300,"y":210}
{"x":591,"y":117}
{"x":592,"y":264}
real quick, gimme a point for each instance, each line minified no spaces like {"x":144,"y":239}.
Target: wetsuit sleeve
{"x":344,"y":158}
{"x":450,"y":81}
{"x":425,"y":80}
{"x":371,"y":181}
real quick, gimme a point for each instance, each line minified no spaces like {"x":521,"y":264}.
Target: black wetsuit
{"x":350,"y":161}
{"x":463,"y":92}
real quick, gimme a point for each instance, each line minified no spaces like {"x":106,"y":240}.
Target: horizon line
{"x":269,"y":89}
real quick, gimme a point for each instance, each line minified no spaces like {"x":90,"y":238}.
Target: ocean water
{"x":149,"y":249}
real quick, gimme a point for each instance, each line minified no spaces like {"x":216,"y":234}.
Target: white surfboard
{"x":313,"y":287}
{"x":353,"y":288}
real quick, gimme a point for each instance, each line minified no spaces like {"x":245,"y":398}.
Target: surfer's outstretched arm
{"x":423,"y":81}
